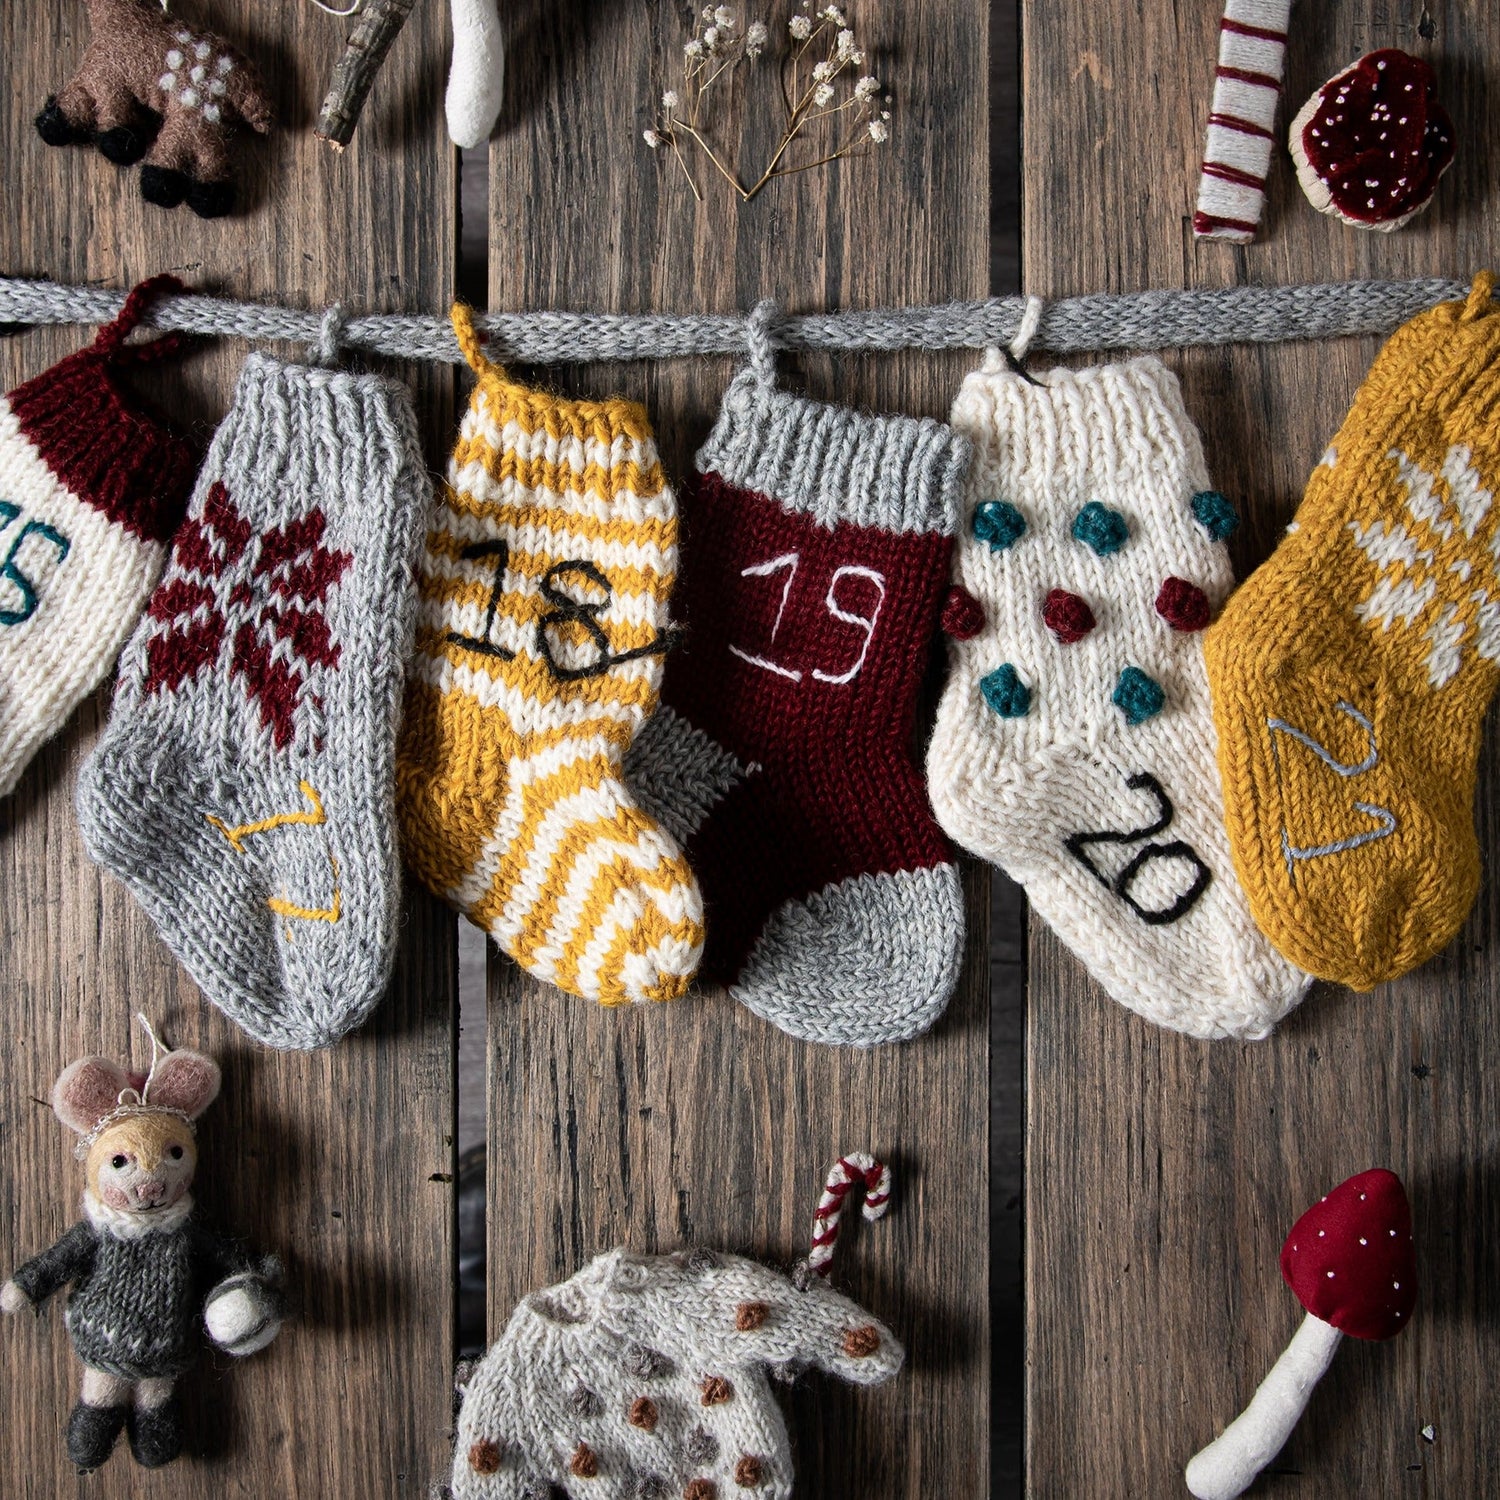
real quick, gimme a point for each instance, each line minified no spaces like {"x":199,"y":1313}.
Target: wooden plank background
{"x":699,"y":1123}
{"x":1163,"y":1173}
{"x":335,"y":1160}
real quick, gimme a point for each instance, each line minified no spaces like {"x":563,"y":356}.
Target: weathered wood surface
{"x":1162,"y":1173}
{"x":335,"y":1160}
{"x":698,"y":1123}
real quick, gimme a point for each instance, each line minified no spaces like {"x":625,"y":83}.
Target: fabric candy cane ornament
{"x":815,"y":570}
{"x":243,"y":788}
{"x":548,"y":567}
{"x":1352,"y":672}
{"x":645,"y":1378}
{"x":1247,"y":88}
{"x":92,"y":485}
{"x":1075,"y":744}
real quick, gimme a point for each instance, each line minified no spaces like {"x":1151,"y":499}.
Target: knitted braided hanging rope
{"x":1133,"y":320}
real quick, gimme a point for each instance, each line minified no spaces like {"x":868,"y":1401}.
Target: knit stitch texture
{"x":243,"y":788}
{"x":1352,"y":672}
{"x":818,"y":543}
{"x":92,"y":485}
{"x":549,"y":564}
{"x":645,"y":1378}
{"x":1074,"y":743}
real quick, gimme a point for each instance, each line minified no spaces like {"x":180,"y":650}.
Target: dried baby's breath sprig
{"x":830,"y":103}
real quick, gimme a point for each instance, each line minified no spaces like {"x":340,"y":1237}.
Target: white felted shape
{"x":239,"y":1315}
{"x":476,"y":79}
{"x":1016,"y":790}
{"x":643,"y":1374}
{"x":1230,"y":1464}
{"x":75,"y":586}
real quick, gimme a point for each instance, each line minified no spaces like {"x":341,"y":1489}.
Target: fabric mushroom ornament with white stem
{"x":1351,"y":1262}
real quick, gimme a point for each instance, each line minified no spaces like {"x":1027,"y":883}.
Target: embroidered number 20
{"x":1121,"y":885}
{"x":788,"y":564}
{"x":10,"y":570}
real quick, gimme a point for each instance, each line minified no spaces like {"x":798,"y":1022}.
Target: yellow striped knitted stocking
{"x":1351,"y":673}
{"x":548,"y":566}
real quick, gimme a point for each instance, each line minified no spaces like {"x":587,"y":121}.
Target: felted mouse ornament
{"x":144,"y":1269}
{"x":644,"y":1377}
{"x":152,"y":86}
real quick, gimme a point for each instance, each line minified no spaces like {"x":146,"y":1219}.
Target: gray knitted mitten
{"x":243,"y":788}
{"x":645,"y":1378}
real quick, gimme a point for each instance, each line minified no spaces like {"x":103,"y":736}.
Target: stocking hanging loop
{"x":760,"y":337}
{"x":325,"y":349}
{"x":110,"y":342}
{"x":471,"y":340}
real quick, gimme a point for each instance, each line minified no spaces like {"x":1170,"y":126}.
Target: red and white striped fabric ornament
{"x":1247,"y":86}
{"x":857,"y":1169}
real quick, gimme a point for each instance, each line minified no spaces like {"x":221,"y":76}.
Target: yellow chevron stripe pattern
{"x":542,"y":623}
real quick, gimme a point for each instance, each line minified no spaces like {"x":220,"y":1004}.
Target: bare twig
{"x":379,"y":24}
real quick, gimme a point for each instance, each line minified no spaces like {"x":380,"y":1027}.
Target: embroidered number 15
{"x":787,"y":564}
{"x":10,"y":570}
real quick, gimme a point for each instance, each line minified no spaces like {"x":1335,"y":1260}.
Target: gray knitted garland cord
{"x":1136,"y":320}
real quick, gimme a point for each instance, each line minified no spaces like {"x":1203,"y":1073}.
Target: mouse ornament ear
{"x":183,"y":1081}
{"x":87,"y":1091}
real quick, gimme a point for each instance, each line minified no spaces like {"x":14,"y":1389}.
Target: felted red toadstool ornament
{"x":1351,"y":1262}
{"x":1371,"y":144}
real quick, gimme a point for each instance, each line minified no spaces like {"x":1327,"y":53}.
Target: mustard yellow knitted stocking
{"x":1351,"y":672}
{"x":549,"y":561}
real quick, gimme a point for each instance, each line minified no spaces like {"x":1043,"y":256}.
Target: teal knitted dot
{"x":1140,"y":696}
{"x":999,"y":523}
{"x":1005,"y":692}
{"x":1216,"y":515}
{"x":1101,"y":528}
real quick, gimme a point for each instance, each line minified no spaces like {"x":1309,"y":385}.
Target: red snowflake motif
{"x":275,"y":608}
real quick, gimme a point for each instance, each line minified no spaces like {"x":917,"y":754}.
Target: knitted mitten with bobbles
{"x":549,"y":564}
{"x":1075,"y":743}
{"x":244,"y":786}
{"x":92,"y":485}
{"x":1352,"y":671}
{"x":815,"y":569}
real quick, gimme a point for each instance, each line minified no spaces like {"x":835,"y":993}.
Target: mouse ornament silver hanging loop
{"x":144,"y":1269}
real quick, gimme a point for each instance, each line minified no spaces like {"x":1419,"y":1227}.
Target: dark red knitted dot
{"x":1067,"y":616}
{"x":963,"y":614}
{"x":1183,"y":605}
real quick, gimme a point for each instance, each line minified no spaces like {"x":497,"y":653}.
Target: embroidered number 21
{"x":10,"y":569}
{"x":788,"y":563}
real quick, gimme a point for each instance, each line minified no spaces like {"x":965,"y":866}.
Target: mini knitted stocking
{"x":243,"y":786}
{"x":1352,"y":672}
{"x":1074,"y":743}
{"x":645,"y":1378}
{"x":548,"y":567}
{"x":91,"y":487}
{"x":819,"y":543}
{"x":476,"y":79}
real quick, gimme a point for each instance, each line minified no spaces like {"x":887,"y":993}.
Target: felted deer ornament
{"x":143,"y":1268}
{"x":150,"y":86}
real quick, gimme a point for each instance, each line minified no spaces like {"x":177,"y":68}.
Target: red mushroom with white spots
{"x":1351,"y":1262}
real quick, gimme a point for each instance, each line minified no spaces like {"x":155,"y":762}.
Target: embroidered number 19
{"x":788,"y":564}
{"x":10,"y":569}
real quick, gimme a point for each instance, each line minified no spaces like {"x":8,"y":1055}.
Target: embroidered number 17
{"x":10,"y":569}
{"x":788,"y":564}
